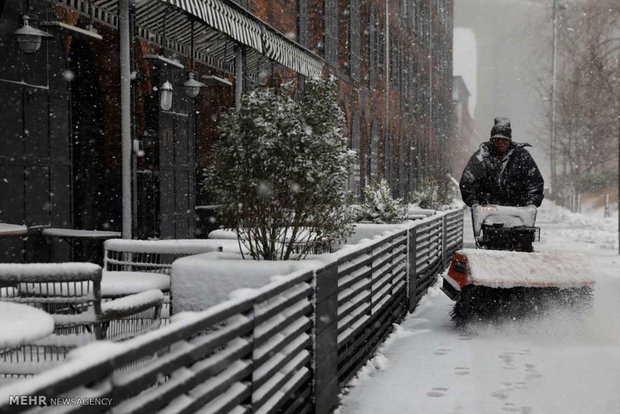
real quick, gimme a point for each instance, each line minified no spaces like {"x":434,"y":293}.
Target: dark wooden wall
{"x":35,"y":154}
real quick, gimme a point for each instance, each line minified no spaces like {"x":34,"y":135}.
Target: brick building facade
{"x":62,"y":162}
{"x":393,"y":60}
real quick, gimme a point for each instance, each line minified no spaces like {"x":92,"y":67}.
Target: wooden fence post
{"x":326,"y":385}
{"x":444,"y":249}
{"x":413,"y":273}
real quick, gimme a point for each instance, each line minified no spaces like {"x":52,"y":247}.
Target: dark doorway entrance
{"x":176,"y":172}
{"x":87,"y":148}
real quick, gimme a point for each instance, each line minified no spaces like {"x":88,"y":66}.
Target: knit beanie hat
{"x":501,"y":129}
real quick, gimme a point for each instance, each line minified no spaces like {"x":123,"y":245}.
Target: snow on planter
{"x":204,"y":280}
{"x":180,"y":246}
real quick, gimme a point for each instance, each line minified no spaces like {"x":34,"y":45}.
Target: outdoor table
{"x":80,"y":234}
{"x":22,"y":324}
{"x":11,"y":230}
{"x":73,"y":236}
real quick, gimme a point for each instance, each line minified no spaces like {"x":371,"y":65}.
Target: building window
{"x":412,"y":165}
{"x":373,"y":38}
{"x":381,"y":48}
{"x":401,"y":174}
{"x":418,"y":17}
{"x":355,"y":146}
{"x":302,"y":22}
{"x":373,"y":152}
{"x":354,"y":40}
{"x":404,"y":91}
{"x":411,"y":81}
{"x":388,"y":159}
{"x":331,"y":31}
{"x":411,"y":14}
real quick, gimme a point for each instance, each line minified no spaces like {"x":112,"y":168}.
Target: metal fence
{"x":288,"y":347}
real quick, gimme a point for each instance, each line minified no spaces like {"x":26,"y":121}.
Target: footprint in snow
{"x":417,"y":321}
{"x":441,"y":351}
{"x":521,"y":386}
{"x":510,"y":407}
{"x":437,"y":392}
{"x":507,"y":357}
{"x":502,"y":394}
{"x":462,"y":371}
{"x":525,"y":352}
{"x":531,"y":372}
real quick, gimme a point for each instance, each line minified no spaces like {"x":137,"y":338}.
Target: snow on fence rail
{"x":287,"y":347}
{"x":371,"y":289}
{"x":248,"y":354}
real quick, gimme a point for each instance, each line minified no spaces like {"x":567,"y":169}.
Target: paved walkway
{"x":554,"y":365}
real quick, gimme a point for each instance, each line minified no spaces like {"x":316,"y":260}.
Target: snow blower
{"x":503,"y":278}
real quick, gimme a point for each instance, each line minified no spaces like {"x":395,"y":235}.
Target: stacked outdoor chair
{"x":133,"y":266}
{"x":71,"y":294}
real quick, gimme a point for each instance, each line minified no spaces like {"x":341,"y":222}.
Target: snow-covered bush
{"x":379,"y":206}
{"x":280,"y":170}
{"x":436,"y":191}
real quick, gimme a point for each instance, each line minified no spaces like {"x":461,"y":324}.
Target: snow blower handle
{"x":509,"y":216}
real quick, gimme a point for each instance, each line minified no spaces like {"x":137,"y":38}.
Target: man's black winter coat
{"x":513,"y":180}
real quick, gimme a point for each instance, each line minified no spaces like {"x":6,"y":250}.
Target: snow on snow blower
{"x":504,"y":279}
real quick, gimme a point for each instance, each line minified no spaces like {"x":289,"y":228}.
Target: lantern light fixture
{"x":165,"y":95}
{"x":28,"y":37}
{"x":192,"y":86}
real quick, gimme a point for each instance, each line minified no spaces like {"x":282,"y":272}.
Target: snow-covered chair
{"x":133,"y":266}
{"x":71,"y":294}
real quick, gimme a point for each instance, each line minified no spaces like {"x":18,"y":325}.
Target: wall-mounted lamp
{"x":165,"y":90}
{"x":28,"y":37}
{"x":192,"y":86}
{"x":165,"y":95}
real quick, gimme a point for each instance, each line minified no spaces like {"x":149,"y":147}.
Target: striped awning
{"x":209,"y":24}
{"x":285,"y":52}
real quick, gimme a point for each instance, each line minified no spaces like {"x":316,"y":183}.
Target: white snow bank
{"x":417,"y":211}
{"x":33,"y":271}
{"x":81,"y":234}
{"x":496,"y":268}
{"x":597,"y":231}
{"x":21,"y":323}
{"x":229,"y":234}
{"x":201,"y":281}
{"x":363,"y":231}
{"x":135,"y":301}
{"x":115,"y":283}
{"x":179,"y":246}
{"x":7,"y":229}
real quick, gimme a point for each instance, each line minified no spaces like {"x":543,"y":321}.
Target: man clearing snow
{"x":502,"y":172}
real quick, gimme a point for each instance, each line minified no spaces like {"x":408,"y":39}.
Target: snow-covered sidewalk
{"x":554,"y":365}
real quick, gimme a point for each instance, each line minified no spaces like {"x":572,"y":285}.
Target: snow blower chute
{"x":504,"y":278}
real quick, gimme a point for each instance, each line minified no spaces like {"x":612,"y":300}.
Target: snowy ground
{"x":554,"y":365}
